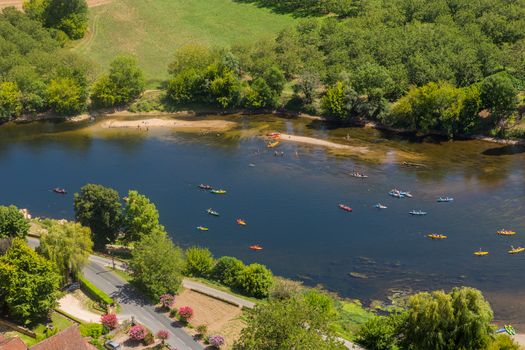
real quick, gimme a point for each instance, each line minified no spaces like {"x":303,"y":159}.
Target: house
{"x":68,"y":339}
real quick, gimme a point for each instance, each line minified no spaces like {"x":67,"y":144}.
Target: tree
{"x":381,"y":332}
{"x":157,"y":265}
{"x":287,"y":324}
{"x":103,"y":92}
{"x":69,"y":16}
{"x":34,"y":9}
{"x":192,"y":56}
{"x":275,"y":79}
{"x":499,"y":94}
{"x":67,"y":96}
{"x":99,"y":208}
{"x":224,"y":86}
{"x":334,"y":101}
{"x":12,"y":222}
{"x":140,"y":217}
{"x":199,"y":262}
{"x":137,"y":332}
{"x":29,"y":285}
{"x":255,"y":280}
{"x":227,"y":270}
{"x":10,"y":100}
{"x":437,"y":320}
{"x":260,"y":95}
{"x":308,"y":85}
{"x":68,"y":245}
{"x":109,"y":321}
{"x":186,"y":86}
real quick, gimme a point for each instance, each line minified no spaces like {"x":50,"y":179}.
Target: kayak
{"x":212,"y":212}
{"x":405,"y":194}
{"x":418,"y":212}
{"x":509,"y":329}
{"x":481,"y":253}
{"x":273,"y":144}
{"x":436,"y":236}
{"x":256,"y":247}
{"x":506,"y":233}
{"x":202,"y":228}
{"x":218,"y":191}
{"x":274,"y":135}
{"x":59,"y":190}
{"x":241,"y":222}
{"x":445,"y":199}
{"x":396,"y":193}
{"x":345,"y":207}
{"x":380,"y":206}
{"x":205,"y":187}
{"x":516,"y":250}
{"x":358,"y":175}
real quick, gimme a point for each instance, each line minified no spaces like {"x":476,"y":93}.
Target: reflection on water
{"x":290,"y":202}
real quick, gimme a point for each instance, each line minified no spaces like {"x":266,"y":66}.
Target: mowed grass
{"x":153,"y":29}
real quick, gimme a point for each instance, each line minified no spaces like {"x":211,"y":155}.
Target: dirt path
{"x":74,"y":307}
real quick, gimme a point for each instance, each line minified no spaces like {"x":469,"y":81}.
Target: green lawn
{"x":153,"y":29}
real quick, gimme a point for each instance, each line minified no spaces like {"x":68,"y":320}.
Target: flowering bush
{"x":167,"y":300}
{"x":163,"y":335}
{"x":109,"y":321}
{"x":137,"y":332}
{"x":216,"y":340}
{"x":185,"y":313}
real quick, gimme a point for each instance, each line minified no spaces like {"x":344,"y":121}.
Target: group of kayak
{"x":513,"y":250}
{"x":210,"y":211}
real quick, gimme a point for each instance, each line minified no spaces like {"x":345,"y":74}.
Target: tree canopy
{"x":140,"y":217}
{"x":12,"y":222}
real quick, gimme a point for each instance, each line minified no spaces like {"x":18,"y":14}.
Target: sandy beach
{"x":145,"y":124}
{"x":323,"y":143}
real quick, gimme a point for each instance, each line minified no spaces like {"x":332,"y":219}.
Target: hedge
{"x":92,"y":291}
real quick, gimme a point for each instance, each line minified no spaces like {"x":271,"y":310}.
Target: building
{"x":68,"y":339}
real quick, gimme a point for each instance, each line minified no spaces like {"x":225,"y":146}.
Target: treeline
{"x":309,"y":7}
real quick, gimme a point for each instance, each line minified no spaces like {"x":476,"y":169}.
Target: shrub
{"x":255,"y":280}
{"x":283,"y":288}
{"x":199,"y":262}
{"x":185,"y":313}
{"x":92,"y":291}
{"x":226,"y":270}
{"x":216,"y":341}
{"x":202,"y":329}
{"x":163,"y":335}
{"x":12,"y":222}
{"x":93,"y":330}
{"x":380,"y":332}
{"x":137,"y":332}
{"x":503,"y":342}
{"x":173,"y":312}
{"x":109,"y":321}
{"x":167,"y":300}
{"x":149,"y":339}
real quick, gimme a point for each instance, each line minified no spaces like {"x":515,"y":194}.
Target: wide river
{"x":291,"y":202}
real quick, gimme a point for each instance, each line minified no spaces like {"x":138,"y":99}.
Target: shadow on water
{"x":504,"y":151}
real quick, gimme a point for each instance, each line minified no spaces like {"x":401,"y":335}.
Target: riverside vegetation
{"x":454,"y":68}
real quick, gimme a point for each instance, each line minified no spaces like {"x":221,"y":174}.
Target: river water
{"x":291,"y":203}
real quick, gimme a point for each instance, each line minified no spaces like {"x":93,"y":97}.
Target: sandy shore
{"x":145,"y":124}
{"x":323,"y":143}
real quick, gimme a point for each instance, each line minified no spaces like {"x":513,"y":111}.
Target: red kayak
{"x":59,"y":190}
{"x":345,"y":207}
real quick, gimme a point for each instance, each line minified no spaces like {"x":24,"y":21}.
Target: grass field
{"x":153,"y":29}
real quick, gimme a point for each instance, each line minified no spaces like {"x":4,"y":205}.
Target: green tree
{"x":68,"y":245}
{"x":67,"y":96}
{"x":287,"y":324}
{"x":227,"y":270}
{"x":99,"y":208}
{"x":255,"y":280}
{"x":199,"y":262}
{"x":12,"y":222}
{"x":34,"y":9}
{"x":186,"y":86}
{"x":69,"y":16}
{"x":275,"y":79}
{"x":307,"y":85}
{"x":29,"y":285}
{"x":192,"y":56}
{"x":499,"y":93}
{"x":10,"y":101}
{"x":157,"y":265}
{"x":334,"y":101}
{"x":140,"y":217}
{"x":260,"y":95}
{"x":224,"y":86}
{"x":381,"y":332}
{"x":103,"y":92}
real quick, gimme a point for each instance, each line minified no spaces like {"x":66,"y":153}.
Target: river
{"x":291,"y":203}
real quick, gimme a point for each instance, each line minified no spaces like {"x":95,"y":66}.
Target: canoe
{"x":406,"y":194}
{"x":509,"y":329}
{"x":359,"y":175}
{"x":436,"y":236}
{"x":273,"y":144}
{"x":59,"y":190}
{"x":212,"y":212}
{"x":418,"y":212}
{"x":396,"y":193}
{"x":218,"y":191}
{"x":274,"y":135}
{"x":256,"y":247}
{"x":445,"y":199}
{"x":516,"y":250}
{"x":481,"y":253}
{"x":205,"y":187}
{"x":345,"y":207}
{"x":506,"y":233}
{"x":380,"y":206}
{"x":241,"y":222}
{"x":202,"y":228}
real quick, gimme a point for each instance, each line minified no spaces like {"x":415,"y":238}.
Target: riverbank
{"x":145,"y":124}
{"x":322,"y":143}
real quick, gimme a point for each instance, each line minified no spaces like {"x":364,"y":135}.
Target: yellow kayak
{"x":481,"y":253}
{"x":436,"y":236}
{"x":273,"y":144}
{"x":516,"y":250}
{"x":506,"y":233}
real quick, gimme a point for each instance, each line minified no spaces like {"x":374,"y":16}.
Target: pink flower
{"x":109,"y":321}
{"x":137,"y":332}
{"x":185,"y":313}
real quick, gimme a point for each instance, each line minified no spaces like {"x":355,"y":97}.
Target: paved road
{"x":132,"y":304}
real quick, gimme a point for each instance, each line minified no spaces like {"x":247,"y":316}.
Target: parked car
{"x":112,"y":345}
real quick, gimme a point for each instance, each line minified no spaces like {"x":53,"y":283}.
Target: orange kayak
{"x":256,"y":247}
